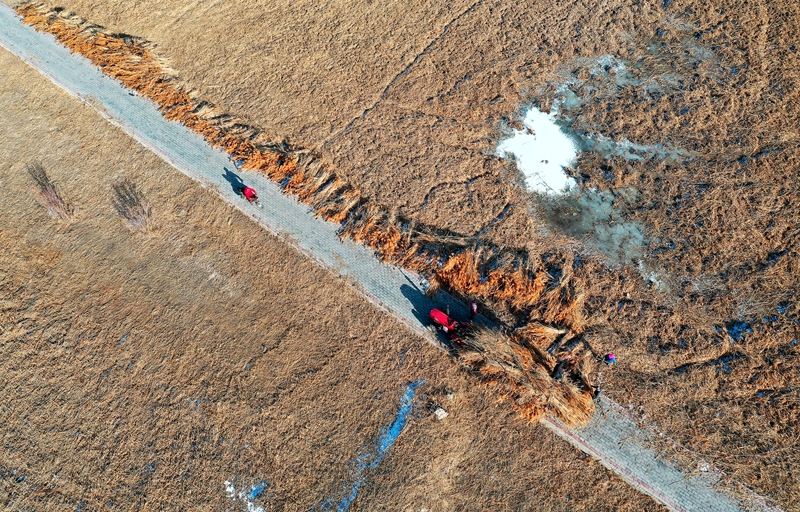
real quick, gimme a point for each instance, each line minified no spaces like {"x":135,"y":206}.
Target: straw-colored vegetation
{"x":518,"y":372}
{"x":721,"y":250}
{"x":502,"y":280}
{"x":124,"y":384}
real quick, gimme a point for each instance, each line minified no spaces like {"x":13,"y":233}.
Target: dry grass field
{"x":408,"y":103}
{"x":145,"y":364}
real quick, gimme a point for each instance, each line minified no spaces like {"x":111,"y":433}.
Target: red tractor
{"x":447,"y":324}
{"x":452,"y":328}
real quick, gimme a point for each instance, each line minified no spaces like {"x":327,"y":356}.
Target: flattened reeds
{"x":517,"y":373}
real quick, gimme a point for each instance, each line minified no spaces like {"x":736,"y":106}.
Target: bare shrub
{"x":48,"y":194}
{"x":132,"y":206}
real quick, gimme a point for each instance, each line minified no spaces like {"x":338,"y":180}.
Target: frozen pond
{"x":542,"y":150}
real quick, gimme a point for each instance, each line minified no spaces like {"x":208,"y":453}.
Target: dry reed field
{"x":512,"y":285}
{"x":699,"y":103}
{"x":145,"y":368}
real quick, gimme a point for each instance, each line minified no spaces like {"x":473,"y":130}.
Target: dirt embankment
{"x":147,"y":367}
{"x":714,"y":319}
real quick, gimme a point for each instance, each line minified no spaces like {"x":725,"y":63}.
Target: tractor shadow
{"x":421,"y":309}
{"x":236,"y":182}
{"x":420,"y":303}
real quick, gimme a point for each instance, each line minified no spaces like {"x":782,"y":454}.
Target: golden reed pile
{"x":493,"y":277}
{"x":518,"y":371}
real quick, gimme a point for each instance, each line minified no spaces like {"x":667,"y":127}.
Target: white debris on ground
{"x":440,"y":413}
{"x":541,"y":151}
{"x":245,"y":497}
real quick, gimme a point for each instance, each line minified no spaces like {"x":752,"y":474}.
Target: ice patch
{"x":371,"y":459}
{"x":590,"y":215}
{"x":542,"y":150}
{"x":629,"y":151}
{"x":257,"y":490}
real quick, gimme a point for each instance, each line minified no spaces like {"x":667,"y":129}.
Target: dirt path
{"x":612,"y":437}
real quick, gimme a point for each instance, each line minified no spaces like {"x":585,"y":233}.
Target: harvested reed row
{"x":496,"y":277}
{"x":516,"y":371}
{"x":133,"y":62}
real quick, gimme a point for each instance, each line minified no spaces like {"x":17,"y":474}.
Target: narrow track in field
{"x":613,"y":437}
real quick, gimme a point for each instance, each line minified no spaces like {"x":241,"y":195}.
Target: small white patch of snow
{"x":541,"y":151}
{"x":441,"y":413}
{"x":243,"y":496}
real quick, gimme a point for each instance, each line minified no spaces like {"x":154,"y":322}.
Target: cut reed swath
{"x":518,"y":372}
{"x":497,"y":277}
{"x":48,"y":193}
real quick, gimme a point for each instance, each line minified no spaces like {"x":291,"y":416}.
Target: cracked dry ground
{"x":149,"y":368}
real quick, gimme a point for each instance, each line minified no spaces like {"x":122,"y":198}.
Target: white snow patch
{"x":541,"y":151}
{"x":441,"y":413}
{"x":242,"y":496}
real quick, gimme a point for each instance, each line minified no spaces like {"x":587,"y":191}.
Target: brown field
{"x":521,"y":371}
{"x":142,"y":367}
{"x":408,"y":102}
